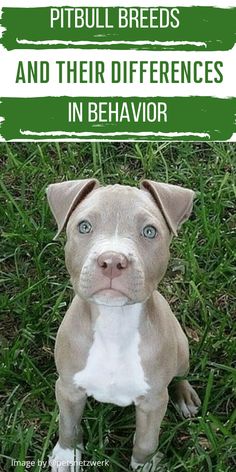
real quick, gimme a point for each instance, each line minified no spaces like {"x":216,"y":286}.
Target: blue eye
{"x":85,"y":227}
{"x":149,"y":232}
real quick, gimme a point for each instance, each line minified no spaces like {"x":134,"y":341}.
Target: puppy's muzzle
{"x":112,"y":264}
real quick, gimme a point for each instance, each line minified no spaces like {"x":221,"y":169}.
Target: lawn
{"x":199,"y":285}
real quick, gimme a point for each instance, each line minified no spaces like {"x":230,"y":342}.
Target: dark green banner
{"x":118,"y":118}
{"x":191,"y":28}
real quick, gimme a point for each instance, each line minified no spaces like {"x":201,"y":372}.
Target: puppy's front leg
{"x":71,"y":405}
{"x":148,"y":422}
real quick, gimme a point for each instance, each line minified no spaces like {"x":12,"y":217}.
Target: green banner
{"x":184,"y":28}
{"x":117,"y":118}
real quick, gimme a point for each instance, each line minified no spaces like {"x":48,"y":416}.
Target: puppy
{"x":119,"y":341}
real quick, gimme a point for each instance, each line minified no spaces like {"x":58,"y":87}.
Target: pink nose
{"x":112,"y":264}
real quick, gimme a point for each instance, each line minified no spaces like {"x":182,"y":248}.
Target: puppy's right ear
{"x":64,"y":197}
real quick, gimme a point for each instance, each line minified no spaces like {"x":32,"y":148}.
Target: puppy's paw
{"x":186,"y":399}
{"x":65,"y":460}
{"x":151,"y":466}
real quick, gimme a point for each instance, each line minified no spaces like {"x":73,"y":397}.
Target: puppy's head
{"x":118,"y":237}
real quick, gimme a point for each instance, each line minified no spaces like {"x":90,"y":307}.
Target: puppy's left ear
{"x":64,"y":197}
{"x":175,"y":202}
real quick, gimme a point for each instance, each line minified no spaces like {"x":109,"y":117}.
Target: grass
{"x":199,"y":285}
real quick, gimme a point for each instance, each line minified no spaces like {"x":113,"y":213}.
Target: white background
{"x":9,"y":62}
{"x":126,"y":3}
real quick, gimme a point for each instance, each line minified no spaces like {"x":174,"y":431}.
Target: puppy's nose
{"x":112,"y":264}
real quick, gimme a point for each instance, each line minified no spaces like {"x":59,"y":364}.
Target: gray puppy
{"x":119,"y":341}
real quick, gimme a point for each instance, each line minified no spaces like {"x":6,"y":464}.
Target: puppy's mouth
{"x":110,"y":296}
{"x":111,"y":292}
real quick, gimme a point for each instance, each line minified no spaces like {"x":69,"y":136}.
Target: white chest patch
{"x":113,"y":373}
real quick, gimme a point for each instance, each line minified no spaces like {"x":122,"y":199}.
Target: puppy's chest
{"x":113,"y":372}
